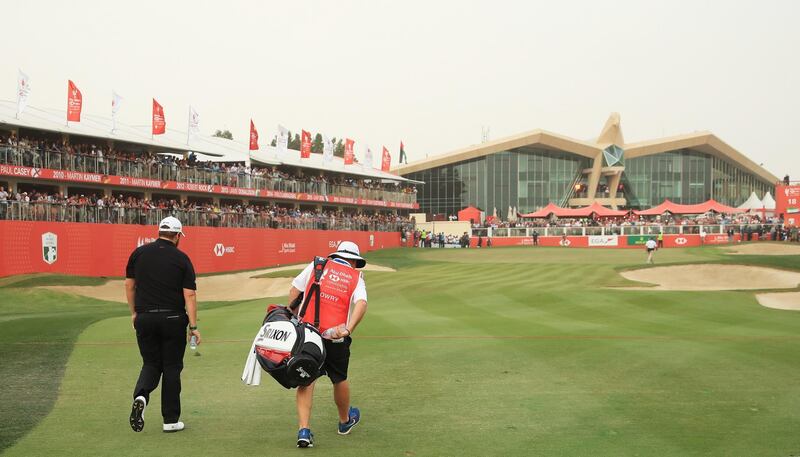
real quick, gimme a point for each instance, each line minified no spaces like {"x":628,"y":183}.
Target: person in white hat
{"x":160,"y":285}
{"x":343,"y":303}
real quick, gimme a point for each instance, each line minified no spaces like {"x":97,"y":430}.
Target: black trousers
{"x":162,"y":343}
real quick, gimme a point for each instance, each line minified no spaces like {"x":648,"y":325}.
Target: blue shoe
{"x":354,"y":418}
{"x":305,"y":438}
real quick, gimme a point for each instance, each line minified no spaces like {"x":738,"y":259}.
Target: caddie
{"x":343,"y":303}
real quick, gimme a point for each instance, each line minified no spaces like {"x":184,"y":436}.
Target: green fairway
{"x":501,"y":352}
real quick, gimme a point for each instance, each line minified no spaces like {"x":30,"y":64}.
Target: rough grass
{"x":497,"y":352}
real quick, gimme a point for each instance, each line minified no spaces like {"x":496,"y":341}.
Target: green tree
{"x":224,"y":134}
{"x":338,"y":150}
{"x":294,"y":143}
{"x":317,"y":146}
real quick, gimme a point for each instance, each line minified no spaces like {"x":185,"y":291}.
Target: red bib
{"x":335,"y":290}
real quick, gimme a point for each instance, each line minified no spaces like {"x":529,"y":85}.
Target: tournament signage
{"x":61,"y":247}
{"x":638,"y":240}
{"x":159,"y":122}
{"x":603,"y":240}
{"x":96,"y":178}
{"x":74,"y":102}
{"x":787,"y":203}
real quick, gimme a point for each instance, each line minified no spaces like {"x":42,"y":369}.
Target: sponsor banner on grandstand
{"x":670,"y":241}
{"x":96,"y":178}
{"x":32,"y":247}
{"x":719,"y":238}
{"x":603,"y":240}
{"x":639,"y":240}
{"x":787,"y":202}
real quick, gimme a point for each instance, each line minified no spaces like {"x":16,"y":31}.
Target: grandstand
{"x":104,"y":171}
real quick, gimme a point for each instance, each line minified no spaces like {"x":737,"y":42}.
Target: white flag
{"x":23,"y":90}
{"x":116,"y":100}
{"x":327,"y":149}
{"x":283,"y":139}
{"x":194,"y":124}
{"x":368,"y":158}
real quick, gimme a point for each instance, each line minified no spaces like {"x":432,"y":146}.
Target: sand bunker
{"x":713,"y":277}
{"x":764,"y":248}
{"x":223,"y":287}
{"x":780,"y":300}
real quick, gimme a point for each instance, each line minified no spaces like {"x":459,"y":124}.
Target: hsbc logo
{"x":565,"y":242}
{"x":334,"y":278}
{"x":220,"y":250}
{"x":680,"y":241}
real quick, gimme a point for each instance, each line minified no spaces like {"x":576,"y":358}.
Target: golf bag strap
{"x":319,"y":268}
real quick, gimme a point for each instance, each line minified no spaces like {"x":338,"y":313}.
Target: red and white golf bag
{"x":290,"y":350}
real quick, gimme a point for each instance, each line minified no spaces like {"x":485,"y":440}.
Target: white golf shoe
{"x":172,"y":428}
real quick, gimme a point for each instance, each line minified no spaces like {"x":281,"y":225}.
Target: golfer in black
{"x":160,"y":286}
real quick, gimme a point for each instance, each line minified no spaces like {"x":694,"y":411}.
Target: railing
{"x":624,"y":230}
{"x":62,"y":212}
{"x":29,"y":157}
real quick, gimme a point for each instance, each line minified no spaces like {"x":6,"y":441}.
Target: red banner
{"x":305,"y":145}
{"x":787,"y":203}
{"x":386,"y":160}
{"x":253,"y":137}
{"x":74,"y":102}
{"x":349,"y":153}
{"x":52,"y":247}
{"x":159,"y":123}
{"x":96,"y":178}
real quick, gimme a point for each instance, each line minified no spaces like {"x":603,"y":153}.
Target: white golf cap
{"x":171,"y":224}
{"x":349,"y":250}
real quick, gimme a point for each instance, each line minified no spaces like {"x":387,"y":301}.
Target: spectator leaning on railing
{"x":89,"y":157}
{"x":40,"y":206}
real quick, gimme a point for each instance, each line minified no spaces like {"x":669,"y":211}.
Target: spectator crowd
{"x":89,"y":157}
{"x":42,"y":206}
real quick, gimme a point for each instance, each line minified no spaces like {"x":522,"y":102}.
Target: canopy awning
{"x":700,"y":208}
{"x":586,"y":211}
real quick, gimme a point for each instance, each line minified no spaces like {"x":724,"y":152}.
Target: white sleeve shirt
{"x":301,"y":281}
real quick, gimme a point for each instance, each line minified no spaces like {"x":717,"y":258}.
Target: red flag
{"x":74,"y":102}
{"x":386,"y":160}
{"x":159,"y":123}
{"x":253,"y":137}
{"x":305,"y":145}
{"x":349,"y":155}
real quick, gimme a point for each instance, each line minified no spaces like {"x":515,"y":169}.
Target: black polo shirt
{"x":161,"y":272}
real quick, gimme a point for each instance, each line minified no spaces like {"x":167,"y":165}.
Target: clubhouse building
{"x":532,"y":169}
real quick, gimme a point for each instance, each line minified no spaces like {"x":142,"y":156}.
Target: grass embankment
{"x":493,"y":352}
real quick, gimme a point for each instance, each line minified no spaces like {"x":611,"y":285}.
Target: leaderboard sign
{"x":787,"y":203}
{"x":96,"y":178}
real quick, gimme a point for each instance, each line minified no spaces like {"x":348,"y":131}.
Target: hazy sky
{"x":426,"y":72}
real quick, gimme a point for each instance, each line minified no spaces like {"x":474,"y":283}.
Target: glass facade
{"x":687,"y":177}
{"x":525,"y":178}
{"x":529,"y":178}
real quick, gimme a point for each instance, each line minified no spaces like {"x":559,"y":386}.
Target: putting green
{"x":498,"y":352}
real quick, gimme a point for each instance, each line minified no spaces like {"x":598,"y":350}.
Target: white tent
{"x":752,"y":203}
{"x":769,"y":202}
